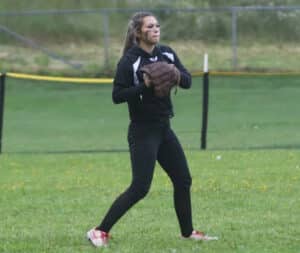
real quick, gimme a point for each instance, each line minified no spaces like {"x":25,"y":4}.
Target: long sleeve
{"x":185,"y":76}
{"x":124,"y":89}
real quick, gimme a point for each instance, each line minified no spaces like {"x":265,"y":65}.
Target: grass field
{"x":55,"y":184}
{"x":254,"y":112}
{"x":250,"y":199}
{"x":244,"y":112}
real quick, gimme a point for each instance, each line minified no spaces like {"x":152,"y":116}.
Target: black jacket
{"x":129,"y":85}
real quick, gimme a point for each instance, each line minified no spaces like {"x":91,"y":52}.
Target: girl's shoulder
{"x":165,"y":48}
{"x":130,"y":56}
{"x":129,"y":60}
{"x":167,"y":53}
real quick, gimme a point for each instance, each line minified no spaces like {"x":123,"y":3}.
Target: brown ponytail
{"x":134,"y":26}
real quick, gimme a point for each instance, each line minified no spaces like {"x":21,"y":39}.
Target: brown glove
{"x":163,"y":77}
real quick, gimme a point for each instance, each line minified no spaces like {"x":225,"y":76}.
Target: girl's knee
{"x":183,"y":183}
{"x":139,"y":191}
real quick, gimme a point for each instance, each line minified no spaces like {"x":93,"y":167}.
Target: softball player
{"x":150,"y":136}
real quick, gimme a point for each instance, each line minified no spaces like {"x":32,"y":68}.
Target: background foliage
{"x":207,"y":25}
{"x":266,"y":40}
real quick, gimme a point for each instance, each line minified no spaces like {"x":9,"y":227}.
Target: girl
{"x":150,"y":136}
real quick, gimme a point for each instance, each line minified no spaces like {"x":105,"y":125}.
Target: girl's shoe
{"x":98,"y":238}
{"x":200,"y":236}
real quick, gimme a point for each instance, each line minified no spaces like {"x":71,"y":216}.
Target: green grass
{"x":244,"y":112}
{"x":250,"y":199}
{"x":254,"y":112}
{"x":251,"y":57}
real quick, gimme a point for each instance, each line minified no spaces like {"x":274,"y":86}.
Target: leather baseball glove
{"x":163,"y":77}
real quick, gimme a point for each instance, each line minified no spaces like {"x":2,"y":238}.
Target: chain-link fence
{"x":89,"y":42}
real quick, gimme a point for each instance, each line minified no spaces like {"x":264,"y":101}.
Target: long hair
{"x":134,"y":26}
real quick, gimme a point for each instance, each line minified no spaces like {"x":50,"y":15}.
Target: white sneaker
{"x":200,"y":236}
{"x":98,"y":238}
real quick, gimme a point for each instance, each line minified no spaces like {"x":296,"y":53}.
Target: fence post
{"x":234,"y":37}
{"x":2,"y":95}
{"x":205,"y":102}
{"x":105,"y":20}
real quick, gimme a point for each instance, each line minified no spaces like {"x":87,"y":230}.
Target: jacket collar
{"x":141,"y":52}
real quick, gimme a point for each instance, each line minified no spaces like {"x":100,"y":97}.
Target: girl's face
{"x":150,"y":31}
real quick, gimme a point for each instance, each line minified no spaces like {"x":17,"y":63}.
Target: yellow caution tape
{"x":60,"y":79}
{"x":110,"y":80}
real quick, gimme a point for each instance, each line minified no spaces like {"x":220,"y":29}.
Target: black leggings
{"x":149,"y":142}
